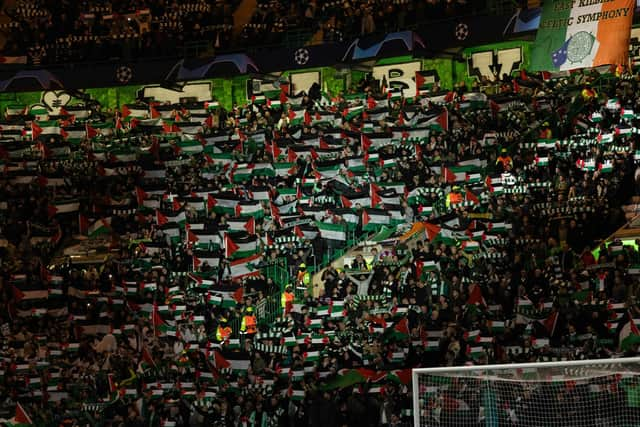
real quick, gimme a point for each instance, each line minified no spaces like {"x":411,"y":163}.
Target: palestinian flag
{"x":471,"y":246}
{"x":351,"y":112}
{"x":332,"y":231}
{"x":249,"y":208}
{"x":295,"y":394}
{"x":45,"y":128}
{"x":21,"y":418}
{"x":605,"y":138}
{"x":240,"y":245}
{"x":551,"y":322}
{"x":475,"y":352}
{"x":29,"y":292}
{"x":473,"y":178}
{"x":188,"y":147}
{"x":225,"y":298}
{"x":458,"y":174}
{"x":245,"y":267}
{"x":258,"y":99}
{"x":613,"y":104}
{"x":202,"y":238}
{"x":75,"y":134}
{"x":431,"y":231}
{"x":201,"y":258}
{"x":135,"y":112}
{"x":224,"y":203}
{"x":541,"y":161}
{"x":239,"y":362}
{"x":629,"y":335}
{"x":394,"y":94}
{"x":472,"y":101}
{"x":424,"y":82}
{"x":63,"y":207}
{"x":372,"y":219}
{"x":539,"y":342}
{"x":496,"y":326}
{"x":101,"y":226}
{"x":606,"y":166}
{"x":247,"y":224}
{"x":439,"y":122}
{"x":163,"y":218}
{"x":284,"y":169}
{"x":627,"y":114}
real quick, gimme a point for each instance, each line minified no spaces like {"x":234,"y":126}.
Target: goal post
{"x":598,"y":393}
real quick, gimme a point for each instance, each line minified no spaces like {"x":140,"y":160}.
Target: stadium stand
{"x":51,"y":32}
{"x":55,"y":32}
{"x":411,"y":231}
{"x":287,"y":261}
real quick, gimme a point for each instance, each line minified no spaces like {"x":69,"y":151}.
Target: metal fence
{"x":268,"y":309}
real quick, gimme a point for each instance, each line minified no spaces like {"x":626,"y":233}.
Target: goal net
{"x":602,"y":393}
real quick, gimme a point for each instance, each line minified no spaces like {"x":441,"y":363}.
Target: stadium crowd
{"x":49,"y":32}
{"x":482,"y":217}
{"x":55,"y":32}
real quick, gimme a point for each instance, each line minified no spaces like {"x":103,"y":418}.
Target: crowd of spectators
{"x":497,"y":208}
{"x":340,"y":21}
{"x":57,"y":32}
{"x":344,"y":20}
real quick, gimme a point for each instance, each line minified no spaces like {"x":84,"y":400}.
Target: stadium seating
{"x":151,"y":248}
{"x":53,"y":32}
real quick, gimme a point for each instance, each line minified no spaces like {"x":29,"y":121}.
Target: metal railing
{"x":277,"y":270}
{"x":269,"y":308}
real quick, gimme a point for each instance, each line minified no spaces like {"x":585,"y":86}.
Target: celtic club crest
{"x":580,"y":45}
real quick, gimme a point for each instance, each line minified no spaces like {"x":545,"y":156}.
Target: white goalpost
{"x":582,"y":393}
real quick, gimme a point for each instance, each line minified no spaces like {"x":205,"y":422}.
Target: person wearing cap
{"x":454,"y":197}
{"x":249,"y":323}
{"x":303,"y":277}
{"x":286,"y":300}
{"x":504,"y":160}
{"x":223,"y":332}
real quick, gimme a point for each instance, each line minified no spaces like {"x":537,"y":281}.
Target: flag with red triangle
{"x":250,"y":225}
{"x":365,"y":218}
{"x":375,"y":197}
{"x":365,"y":143}
{"x":21,"y":417}
{"x":431,"y":230}
{"x":230,"y":246}
{"x":471,"y":197}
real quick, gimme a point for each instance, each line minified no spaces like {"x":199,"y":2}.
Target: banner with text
{"x":582,"y":33}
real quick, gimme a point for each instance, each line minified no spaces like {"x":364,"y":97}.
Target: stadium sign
{"x":494,"y":63}
{"x":400,"y":76}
